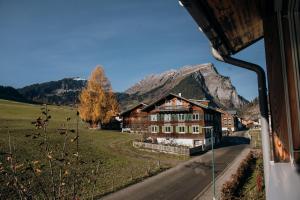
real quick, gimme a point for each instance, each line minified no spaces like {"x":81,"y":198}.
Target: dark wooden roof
{"x":230,"y":25}
{"x":142,"y":105}
{"x":171,"y":95}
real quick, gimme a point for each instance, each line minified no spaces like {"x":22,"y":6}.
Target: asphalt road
{"x":188,"y":179}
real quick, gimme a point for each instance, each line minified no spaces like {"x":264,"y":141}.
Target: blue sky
{"x":53,"y":39}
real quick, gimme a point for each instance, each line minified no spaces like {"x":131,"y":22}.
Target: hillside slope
{"x":10,"y":93}
{"x":59,"y":92}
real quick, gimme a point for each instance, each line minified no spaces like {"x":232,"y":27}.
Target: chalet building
{"x":180,"y":121}
{"x":230,"y":121}
{"x":133,"y":119}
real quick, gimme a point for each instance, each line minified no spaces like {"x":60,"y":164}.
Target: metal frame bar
{"x":263,"y":105}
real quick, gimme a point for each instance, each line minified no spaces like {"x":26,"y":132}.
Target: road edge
{"x":223,"y":177}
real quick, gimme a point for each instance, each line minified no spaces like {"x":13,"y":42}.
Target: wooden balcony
{"x":175,"y":108}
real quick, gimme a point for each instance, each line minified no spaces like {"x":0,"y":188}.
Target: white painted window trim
{"x":183,"y":126}
{"x":179,"y":102}
{"x":169,"y":119}
{"x":194,"y":126}
{"x":168,"y":102}
{"x":196,"y":114}
{"x":154,"y":129}
{"x":153,"y":117}
{"x":169,"y":126}
{"x":179,"y":117}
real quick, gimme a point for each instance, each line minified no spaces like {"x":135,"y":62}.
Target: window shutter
{"x":171,"y":129}
{"x":200,"y":116}
{"x":163,"y":129}
{"x":177,"y":129}
{"x":200,"y":129}
{"x":186,"y":129}
{"x":191,"y":129}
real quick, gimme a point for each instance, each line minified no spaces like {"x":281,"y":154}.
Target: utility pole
{"x":213,"y":163}
{"x":210,"y":129}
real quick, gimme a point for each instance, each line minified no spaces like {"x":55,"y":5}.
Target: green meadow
{"x":106,"y":162}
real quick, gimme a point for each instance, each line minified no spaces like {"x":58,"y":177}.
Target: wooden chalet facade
{"x":133,"y":119}
{"x":230,"y":121}
{"x":179,"y":121}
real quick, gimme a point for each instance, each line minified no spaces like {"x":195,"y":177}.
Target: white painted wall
{"x":225,"y":129}
{"x":207,"y":141}
{"x":184,"y":142}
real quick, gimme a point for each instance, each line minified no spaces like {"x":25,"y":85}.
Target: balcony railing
{"x":177,"y":108}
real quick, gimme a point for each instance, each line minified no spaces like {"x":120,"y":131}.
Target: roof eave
{"x":203,"y":15}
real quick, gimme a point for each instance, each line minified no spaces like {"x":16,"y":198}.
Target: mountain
{"x":250,"y":110}
{"x":59,"y":92}
{"x":10,"y":93}
{"x":194,"y":82}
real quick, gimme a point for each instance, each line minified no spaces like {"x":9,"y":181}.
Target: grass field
{"x":107,"y":159}
{"x":255,"y":138}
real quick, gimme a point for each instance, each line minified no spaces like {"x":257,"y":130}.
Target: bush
{"x":231,"y":189}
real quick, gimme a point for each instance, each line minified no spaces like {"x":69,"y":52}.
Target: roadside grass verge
{"x":255,"y":138}
{"x":248,"y":182}
{"x":253,"y":189}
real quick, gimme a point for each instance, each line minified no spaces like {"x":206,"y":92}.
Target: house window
{"x":167,"y":129}
{"x":179,"y":102}
{"x":181,"y":117}
{"x":168,"y":103}
{"x":195,"y":129}
{"x":195,"y":116}
{"x":154,"y":129}
{"x":181,"y":129}
{"x":153,"y":117}
{"x":167,"y":117}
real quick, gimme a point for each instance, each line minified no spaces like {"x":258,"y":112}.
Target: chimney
{"x":179,"y":94}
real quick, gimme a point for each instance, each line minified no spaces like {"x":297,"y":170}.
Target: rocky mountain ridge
{"x":199,"y":81}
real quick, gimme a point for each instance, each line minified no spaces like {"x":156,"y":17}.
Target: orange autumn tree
{"x":97,"y":101}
